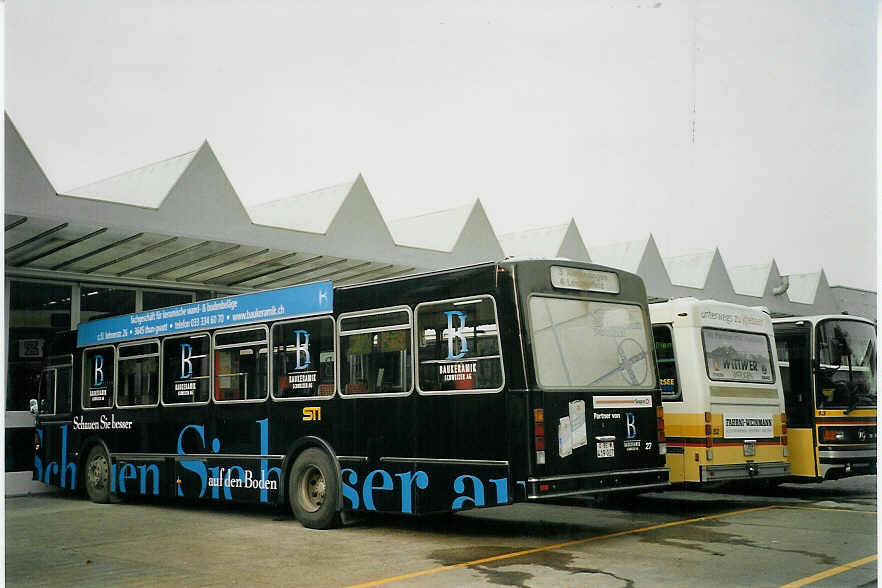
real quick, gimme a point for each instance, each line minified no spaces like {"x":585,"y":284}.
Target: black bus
{"x":471,"y":387}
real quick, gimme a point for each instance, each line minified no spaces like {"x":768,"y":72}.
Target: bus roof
{"x":229,"y":311}
{"x":820,"y":317}
{"x":711,"y":313}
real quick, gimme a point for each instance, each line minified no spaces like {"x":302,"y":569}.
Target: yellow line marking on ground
{"x":793,"y":507}
{"x":831,"y":572}
{"x":556,"y":546}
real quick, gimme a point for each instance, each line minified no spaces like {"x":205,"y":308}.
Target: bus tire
{"x":313,"y":490}
{"x":97,"y":475}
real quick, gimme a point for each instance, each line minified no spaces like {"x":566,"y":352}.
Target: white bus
{"x":721,"y":391}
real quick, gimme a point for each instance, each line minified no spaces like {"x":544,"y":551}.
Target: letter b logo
{"x":186,"y":366}
{"x":301,"y":349}
{"x":631,"y":424}
{"x":456,"y":333}
{"x":99,"y":370}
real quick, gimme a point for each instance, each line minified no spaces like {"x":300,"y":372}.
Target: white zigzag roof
{"x":312,"y":212}
{"x":555,"y":241}
{"x":145,"y":186}
{"x":690,"y":270}
{"x":437,"y":230}
{"x":139,"y":224}
{"x":751,"y":280}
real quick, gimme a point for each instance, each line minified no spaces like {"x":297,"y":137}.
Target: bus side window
{"x":303,"y":358}
{"x":138,"y":375}
{"x":63,"y":388}
{"x":99,"y":371}
{"x":667,"y":363}
{"x":47,"y":391}
{"x":375,"y":352}
{"x":241,"y":365}
{"x":458,"y":346}
{"x":186,"y":371}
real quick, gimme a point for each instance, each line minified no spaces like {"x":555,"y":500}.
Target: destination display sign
{"x":271,"y":305}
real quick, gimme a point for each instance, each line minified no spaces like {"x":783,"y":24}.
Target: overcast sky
{"x":747,"y":125}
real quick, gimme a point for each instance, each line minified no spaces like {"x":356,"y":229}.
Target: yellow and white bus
{"x":828,"y":372}
{"x":721,"y":391}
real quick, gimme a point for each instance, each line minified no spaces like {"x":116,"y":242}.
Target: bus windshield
{"x":589,"y":344}
{"x":847,"y":357}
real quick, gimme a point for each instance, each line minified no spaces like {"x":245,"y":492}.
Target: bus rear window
{"x":589,"y":344}
{"x":735,"y":356}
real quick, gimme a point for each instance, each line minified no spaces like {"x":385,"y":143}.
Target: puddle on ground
{"x":496,"y":572}
{"x":706,"y":537}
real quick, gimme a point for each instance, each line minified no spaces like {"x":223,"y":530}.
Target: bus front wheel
{"x":313,"y":490}
{"x":98,"y":475}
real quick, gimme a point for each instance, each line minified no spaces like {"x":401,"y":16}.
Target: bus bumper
{"x":745,"y":471}
{"x":599,"y":482}
{"x":842,"y":463}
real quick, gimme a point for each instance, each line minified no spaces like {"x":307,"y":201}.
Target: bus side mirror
{"x":34,"y":406}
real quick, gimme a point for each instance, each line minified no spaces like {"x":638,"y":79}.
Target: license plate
{"x":606,"y":449}
{"x":749,"y":448}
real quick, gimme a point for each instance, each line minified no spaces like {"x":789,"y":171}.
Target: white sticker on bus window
{"x":564,"y":438}
{"x":577,"y":423}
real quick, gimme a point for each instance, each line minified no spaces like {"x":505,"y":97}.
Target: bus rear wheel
{"x":98,"y":475}
{"x":313,"y":490}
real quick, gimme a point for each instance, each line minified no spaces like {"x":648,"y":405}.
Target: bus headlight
{"x":828,"y":435}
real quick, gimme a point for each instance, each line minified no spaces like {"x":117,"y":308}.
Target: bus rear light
{"x":662,"y":448}
{"x":707,"y":430}
{"x":707,"y":417}
{"x":539,"y":433}
{"x":540,"y":458}
{"x":660,"y":416}
{"x":783,"y":428}
{"x":543,"y":487}
{"x":708,"y":442}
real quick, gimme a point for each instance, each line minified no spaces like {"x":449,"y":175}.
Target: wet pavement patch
{"x":497,"y":572}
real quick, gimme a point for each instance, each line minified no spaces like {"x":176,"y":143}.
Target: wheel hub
{"x":312,"y":489}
